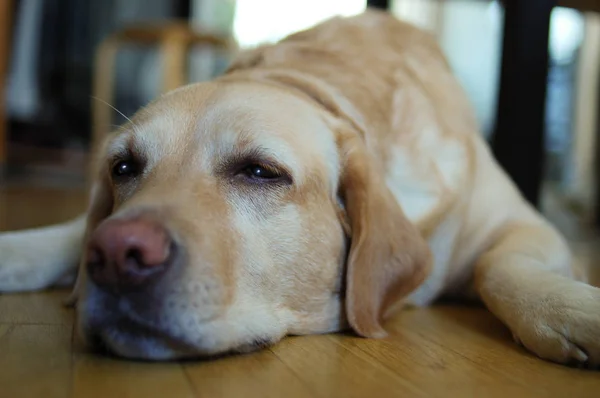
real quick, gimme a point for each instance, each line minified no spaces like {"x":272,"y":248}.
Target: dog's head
{"x":226,"y":215}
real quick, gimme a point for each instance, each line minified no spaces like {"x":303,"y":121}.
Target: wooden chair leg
{"x":597,"y":163}
{"x":103,"y":91}
{"x":5,"y":26}
{"x":382,"y":4}
{"x":518,"y":141}
{"x":174,"y":49}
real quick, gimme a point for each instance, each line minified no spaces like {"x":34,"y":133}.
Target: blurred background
{"x":60,"y":59}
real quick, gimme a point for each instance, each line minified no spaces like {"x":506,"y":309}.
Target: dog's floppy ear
{"x":388,"y":257}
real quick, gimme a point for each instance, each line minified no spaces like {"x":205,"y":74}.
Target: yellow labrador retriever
{"x":319,"y":184}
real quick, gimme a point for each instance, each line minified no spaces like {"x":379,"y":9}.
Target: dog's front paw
{"x":36,"y":259}
{"x":19,"y":265}
{"x":564,"y":327}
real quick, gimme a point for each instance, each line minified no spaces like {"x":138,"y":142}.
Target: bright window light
{"x":566,"y":34}
{"x":266,"y":21}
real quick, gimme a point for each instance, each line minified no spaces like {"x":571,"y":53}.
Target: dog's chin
{"x":132,"y":346}
{"x":130,"y":340}
{"x":135,"y":342}
{"x":115,"y":326}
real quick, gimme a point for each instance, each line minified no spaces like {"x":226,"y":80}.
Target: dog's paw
{"x":36,"y":259}
{"x":564,"y":327}
{"x":19,"y":265}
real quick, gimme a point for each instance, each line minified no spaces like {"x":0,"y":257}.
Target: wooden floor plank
{"x":35,"y":308}
{"x":333,"y":371}
{"x":479,"y":336}
{"x":261,"y":374}
{"x":35,"y":361}
{"x":95,"y":376}
{"x":420,"y":362}
{"x":23,"y":207}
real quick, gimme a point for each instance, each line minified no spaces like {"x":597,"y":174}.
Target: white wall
{"x":261,"y":21}
{"x":581,"y":188}
{"x":470,"y":33}
{"x":471,"y":36}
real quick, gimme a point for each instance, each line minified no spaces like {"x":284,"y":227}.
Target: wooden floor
{"x":438,"y":352}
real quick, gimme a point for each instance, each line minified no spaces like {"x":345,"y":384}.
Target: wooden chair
{"x":5,"y":30}
{"x":174,"y":39}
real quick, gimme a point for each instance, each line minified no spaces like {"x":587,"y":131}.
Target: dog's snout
{"x":128,"y":253}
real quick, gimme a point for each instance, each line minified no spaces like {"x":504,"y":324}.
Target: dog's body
{"x":379,"y":189}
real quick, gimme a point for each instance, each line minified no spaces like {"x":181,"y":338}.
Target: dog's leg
{"x":35,"y":259}
{"x":526,"y":280}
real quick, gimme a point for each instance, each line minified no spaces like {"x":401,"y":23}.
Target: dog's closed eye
{"x":259,"y":172}
{"x":255,"y":167}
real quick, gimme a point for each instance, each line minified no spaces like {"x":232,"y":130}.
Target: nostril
{"x":142,"y":258}
{"x":135,"y":258}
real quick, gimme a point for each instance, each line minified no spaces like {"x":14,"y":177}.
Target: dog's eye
{"x":124,"y":168}
{"x":256,"y":169}
{"x":260,"y":172}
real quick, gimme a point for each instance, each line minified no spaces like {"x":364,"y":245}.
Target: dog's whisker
{"x":115,"y":109}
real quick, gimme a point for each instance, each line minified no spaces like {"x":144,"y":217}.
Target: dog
{"x":320,"y":184}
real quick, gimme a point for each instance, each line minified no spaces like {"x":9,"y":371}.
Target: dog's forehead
{"x":207,"y":121}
